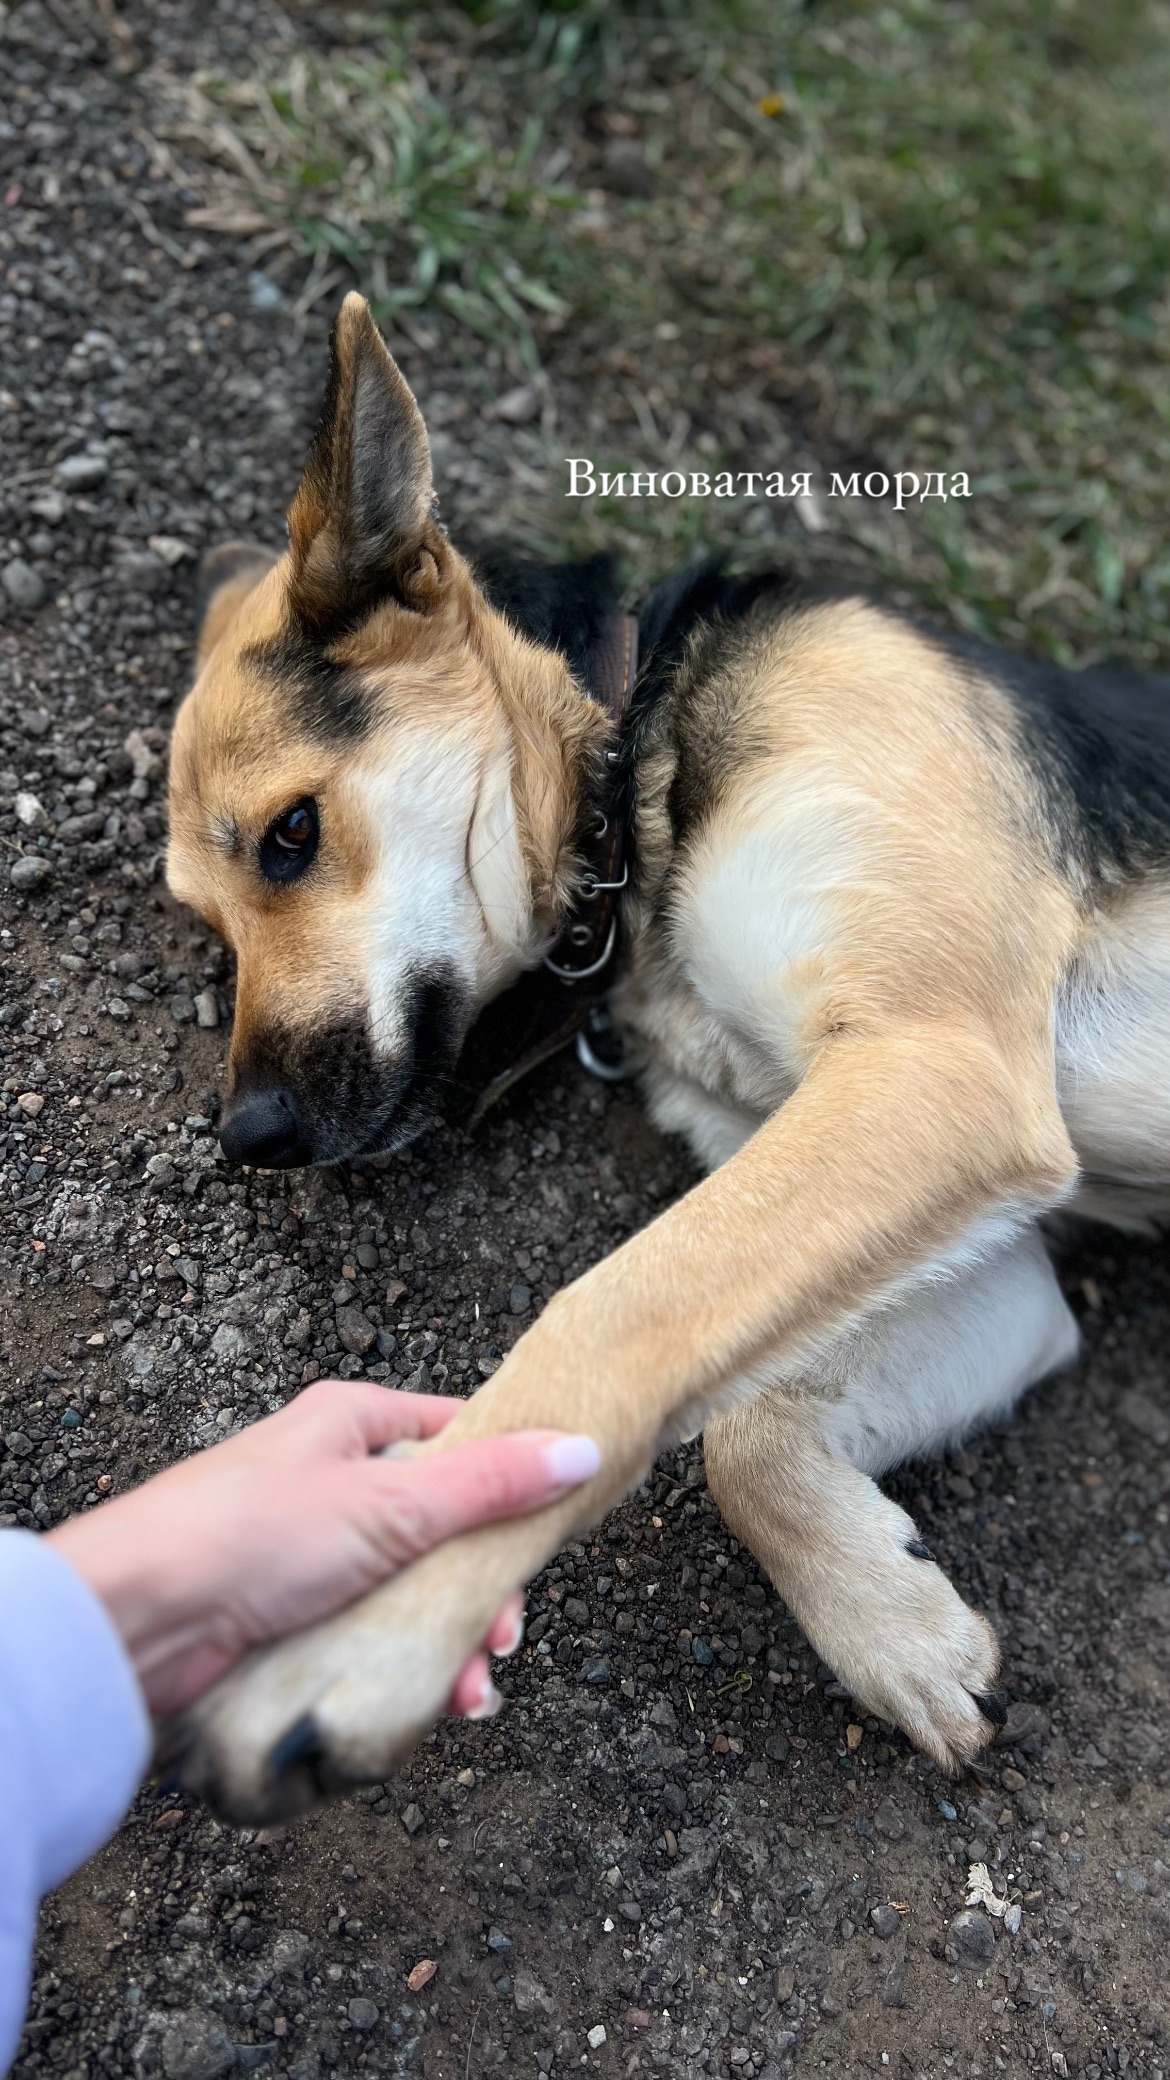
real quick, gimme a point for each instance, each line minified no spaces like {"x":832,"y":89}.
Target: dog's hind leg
{"x":791,"y":1472}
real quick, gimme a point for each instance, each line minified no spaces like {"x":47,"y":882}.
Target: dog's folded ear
{"x":362,"y":525}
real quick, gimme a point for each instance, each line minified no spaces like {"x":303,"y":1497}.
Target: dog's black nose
{"x":264,"y":1128}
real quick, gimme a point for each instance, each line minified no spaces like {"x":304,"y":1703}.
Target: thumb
{"x":428,"y":1501}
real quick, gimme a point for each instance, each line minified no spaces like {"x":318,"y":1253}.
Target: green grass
{"x":934,"y":236}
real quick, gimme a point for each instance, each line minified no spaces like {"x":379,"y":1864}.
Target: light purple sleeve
{"x":74,"y":1743}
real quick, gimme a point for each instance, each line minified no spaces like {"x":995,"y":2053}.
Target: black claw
{"x":991,"y":1706}
{"x":918,"y":1549}
{"x":302,"y":1743}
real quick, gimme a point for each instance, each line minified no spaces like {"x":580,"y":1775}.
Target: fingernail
{"x":570,"y":1460}
{"x":513,"y":1640}
{"x":489,"y":1704}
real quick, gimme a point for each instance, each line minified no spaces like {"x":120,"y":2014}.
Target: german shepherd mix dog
{"x":895,"y":957}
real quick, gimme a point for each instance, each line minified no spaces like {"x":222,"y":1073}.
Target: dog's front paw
{"x":338,"y":1705}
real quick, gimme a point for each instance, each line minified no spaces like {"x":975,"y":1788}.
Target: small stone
{"x":894,"y":1987}
{"x":139,"y":570}
{"x":702,"y":1653}
{"x":1133,"y":1880}
{"x":1012,"y":1780}
{"x":183,"y":1010}
{"x":520,"y":1299}
{"x":422,"y":1974}
{"x":207,"y":1009}
{"x":466,"y":1777}
{"x":30,"y":811}
{"x":144,"y":760}
{"x":34,"y":721}
{"x":853,"y":1738}
{"x":777,"y":1747}
{"x":638,"y":2018}
{"x":31,"y":1104}
{"x":498,"y":1942}
{"x":889,"y":1822}
{"x":395,"y":1291}
{"x":368,"y":1257}
{"x":886,"y":1920}
{"x":49,"y":505}
{"x":596,"y":2036}
{"x":362,"y":2013}
{"x":357,"y":1332}
{"x":291,"y":1950}
{"x":196,"y":2046}
{"x":518,"y":407}
{"x":752,"y":1641}
{"x":117,"y":1008}
{"x":21,"y":583}
{"x":231,"y":1344}
{"x":29,"y":872}
{"x":972,"y":1939}
{"x":171,"y":547}
{"x":529,"y":1994}
{"x":82,"y":472}
{"x":597,"y":1672}
{"x":1012,"y":1918}
{"x":412,"y":1818}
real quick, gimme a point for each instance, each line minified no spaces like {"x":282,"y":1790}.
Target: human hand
{"x":296,"y":1517}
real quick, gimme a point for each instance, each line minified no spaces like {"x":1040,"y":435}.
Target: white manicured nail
{"x":513,"y":1640}
{"x":570,"y":1460}
{"x":489,"y":1703}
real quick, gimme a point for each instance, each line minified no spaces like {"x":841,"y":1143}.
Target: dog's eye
{"x":290,"y":844}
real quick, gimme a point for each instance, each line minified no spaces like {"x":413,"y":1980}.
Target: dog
{"x":894,"y":958}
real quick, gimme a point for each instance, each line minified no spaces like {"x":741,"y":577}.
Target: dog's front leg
{"x":893,"y":1147}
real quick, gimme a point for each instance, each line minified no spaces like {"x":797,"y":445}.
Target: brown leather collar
{"x":547,"y":1006}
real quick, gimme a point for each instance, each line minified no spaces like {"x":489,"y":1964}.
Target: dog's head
{"x":375,"y":784}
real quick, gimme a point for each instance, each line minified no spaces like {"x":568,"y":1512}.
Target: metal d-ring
{"x":591,"y":886}
{"x":583,"y":974}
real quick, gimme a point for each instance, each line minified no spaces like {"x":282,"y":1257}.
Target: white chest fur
{"x":721,"y":991}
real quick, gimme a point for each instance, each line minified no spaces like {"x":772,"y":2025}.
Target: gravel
{"x":665,"y":1719}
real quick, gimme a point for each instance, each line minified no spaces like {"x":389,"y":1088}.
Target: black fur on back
{"x":1098,"y":742}
{"x":565,"y":606}
{"x":698,"y":610}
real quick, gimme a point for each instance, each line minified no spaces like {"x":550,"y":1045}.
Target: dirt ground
{"x":676,"y":1850}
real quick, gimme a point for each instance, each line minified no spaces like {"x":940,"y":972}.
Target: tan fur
{"x":238,"y":761}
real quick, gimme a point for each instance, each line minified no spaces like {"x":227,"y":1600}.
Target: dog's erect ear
{"x":227,"y":575}
{"x":362,"y":526}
